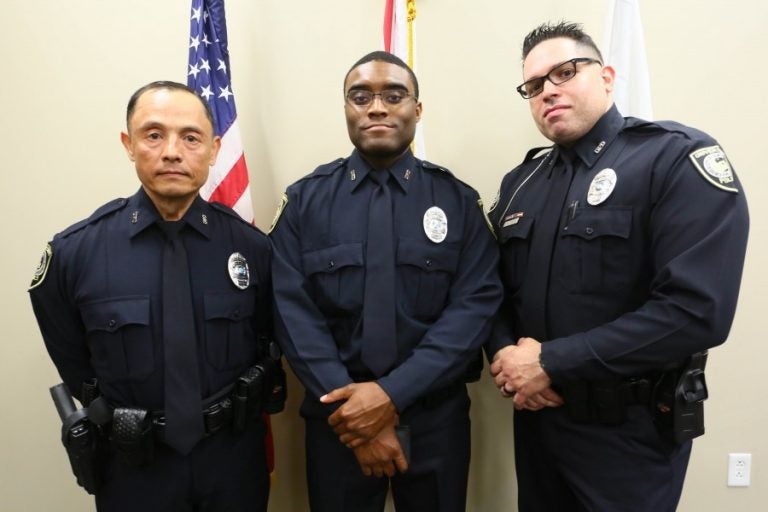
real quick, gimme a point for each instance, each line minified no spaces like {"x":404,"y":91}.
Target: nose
{"x":171,"y":148}
{"x":549,"y":89}
{"x":377,"y":106}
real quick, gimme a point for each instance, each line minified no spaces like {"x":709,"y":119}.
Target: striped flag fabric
{"x":210,"y":75}
{"x":399,"y":39}
{"x":624,"y":49}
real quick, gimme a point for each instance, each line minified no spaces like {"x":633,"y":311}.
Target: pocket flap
{"x":229,"y":305}
{"x":428,"y":256}
{"x":591,"y":223}
{"x":521,"y":230}
{"x":111,"y":314}
{"x":331,"y":259}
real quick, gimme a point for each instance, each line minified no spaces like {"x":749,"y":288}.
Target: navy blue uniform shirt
{"x":446,"y":292}
{"x":642,"y":279}
{"x":99,"y":301}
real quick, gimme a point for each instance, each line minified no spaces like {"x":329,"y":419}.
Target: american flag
{"x":209,"y":74}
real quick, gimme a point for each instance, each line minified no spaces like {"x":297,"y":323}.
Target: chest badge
{"x":435,"y":224}
{"x":601,"y":187}
{"x":238,"y":270}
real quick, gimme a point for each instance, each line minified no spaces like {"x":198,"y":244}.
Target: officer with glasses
{"x":622,"y":247}
{"x":385,"y":283}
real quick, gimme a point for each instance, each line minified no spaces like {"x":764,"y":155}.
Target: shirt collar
{"x":142,"y":214}
{"x":592,"y":145}
{"x":402,"y":170}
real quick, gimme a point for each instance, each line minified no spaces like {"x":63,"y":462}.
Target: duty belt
{"x":606,"y":401}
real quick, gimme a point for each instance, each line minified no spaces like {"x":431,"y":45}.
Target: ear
{"x":126,"y":140}
{"x":215,"y":151}
{"x":608,"y":75}
{"x":418,"y":111}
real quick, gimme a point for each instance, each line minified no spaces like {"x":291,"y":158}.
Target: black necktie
{"x":379,"y":347}
{"x":183,"y":409}
{"x":543,"y":243}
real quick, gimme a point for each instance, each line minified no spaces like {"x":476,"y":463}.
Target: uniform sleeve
{"x":441,"y":356}
{"x":501,"y":332}
{"x":300,"y":327}
{"x":61,"y":326}
{"x":697,"y":235}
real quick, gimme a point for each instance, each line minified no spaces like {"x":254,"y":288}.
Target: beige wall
{"x":69,"y":67}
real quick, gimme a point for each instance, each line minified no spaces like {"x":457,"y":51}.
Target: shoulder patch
{"x":100,"y":212}
{"x":278,"y":213}
{"x":495,"y":201}
{"x":42,"y":268}
{"x":714,"y":166}
{"x":485,"y":216}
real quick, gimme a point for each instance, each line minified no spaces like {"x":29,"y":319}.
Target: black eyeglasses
{"x":557,"y":75}
{"x":364,"y":97}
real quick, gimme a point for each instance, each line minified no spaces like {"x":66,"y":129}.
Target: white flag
{"x":624,"y":49}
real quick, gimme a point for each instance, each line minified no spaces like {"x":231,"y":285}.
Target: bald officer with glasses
{"x":622,"y":248}
{"x":385,"y":280}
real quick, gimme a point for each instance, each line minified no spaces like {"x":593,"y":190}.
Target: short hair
{"x":168,"y":85}
{"x":390,"y":58}
{"x":565,"y":29}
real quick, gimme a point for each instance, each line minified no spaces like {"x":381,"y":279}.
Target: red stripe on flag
{"x":388,"y":7}
{"x":233,"y":185}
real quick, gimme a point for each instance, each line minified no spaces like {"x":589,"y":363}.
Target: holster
{"x":132,"y":436}
{"x":82,"y":440}
{"x":679,"y":400}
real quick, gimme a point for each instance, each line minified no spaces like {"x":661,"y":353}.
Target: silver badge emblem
{"x":238,"y":270}
{"x":601,"y":187}
{"x":435,"y":224}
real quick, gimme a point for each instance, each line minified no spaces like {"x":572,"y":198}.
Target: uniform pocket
{"x":597,"y":242}
{"x":425,"y":271}
{"x":336,"y":275}
{"x":515,"y":242}
{"x":230,"y":341}
{"x":119,"y":337}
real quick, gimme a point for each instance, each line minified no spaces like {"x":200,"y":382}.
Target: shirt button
{"x":428,"y":262}
{"x":112,"y":323}
{"x":236,"y":313}
{"x":331,"y":264}
{"x":589,"y":231}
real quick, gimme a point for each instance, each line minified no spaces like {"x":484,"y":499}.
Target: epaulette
{"x":434,"y":167}
{"x":326,"y":169}
{"x":536,"y":153}
{"x":102,"y":211}
{"x":232,"y":213}
{"x":633,"y":124}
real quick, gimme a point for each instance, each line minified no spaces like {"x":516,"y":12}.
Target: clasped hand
{"x":517,"y":372}
{"x":366,"y":423}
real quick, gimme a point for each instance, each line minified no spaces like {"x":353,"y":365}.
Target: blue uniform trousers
{"x":435,"y":481}
{"x":226,"y":472}
{"x":563,"y":465}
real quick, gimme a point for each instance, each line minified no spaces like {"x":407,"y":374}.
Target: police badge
{"x":435,"y":224}
{"x":238,"y":270}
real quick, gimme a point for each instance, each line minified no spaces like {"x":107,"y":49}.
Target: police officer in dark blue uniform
{"x":385,"y":281}
{"x":622,"y":250}
{"x":110,"y":297}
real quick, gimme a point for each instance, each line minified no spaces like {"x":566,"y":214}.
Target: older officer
{"x":162,"y":298}
{"x":385,"y":280}
{"x":622,"y":252}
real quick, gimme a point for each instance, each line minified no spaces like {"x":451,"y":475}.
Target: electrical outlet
{"x":739,"y":469}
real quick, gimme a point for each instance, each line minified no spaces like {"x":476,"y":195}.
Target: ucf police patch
{"x":712,"y":163}
{"x":42,"y":267}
